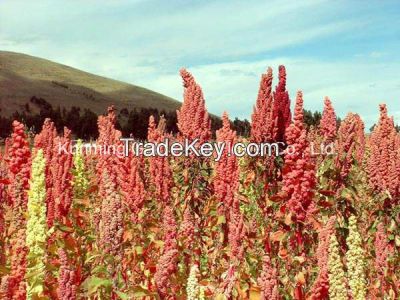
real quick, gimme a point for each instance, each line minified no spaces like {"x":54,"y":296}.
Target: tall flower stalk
{"x":109,"y":137}
{"x":67,"y":288}
{"x":328,"y":122}
{"x":192,"y":287}
{"x":193,"y":120}
{"x":320,"y":289}
{"x":36,"y":228}
{"x":18,"y":158}
{"x":262,"y":119}
{"x":299,"y":171}
{"x":61,"y":169}
{"x":384,"y":160}
{"x":80,"y":181}
{"x":46,"y":140}
{"x":383,"y":252}
{"x":226,"y":181}
{"x":350,"y":146}
{"x":160,"y":171}
{"x":268,"y":281}
{"x":336,"y":275}
{"x":167,"y":264}
{"x":281,"y":111}
{"x":356,"y":262}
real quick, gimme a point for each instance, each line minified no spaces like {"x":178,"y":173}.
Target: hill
{"x":23,"y":76}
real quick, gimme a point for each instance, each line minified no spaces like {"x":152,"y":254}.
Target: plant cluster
{"x":297,"y":226}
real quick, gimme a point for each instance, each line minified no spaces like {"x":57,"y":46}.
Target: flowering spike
{"x":187,"y":227}
{"x":328,"y":122}
{"x":356,"y":262}
{"x":349,"y":144}
{"x":108,"y":137}
{"x":167,"y":264}
{"x":169,"y":228}
{"x":111,"y":222}
{"x":3,"y":202}
{"x":236,"y":234}
{"x":80,"y":181}
{"x":133,"y":187}
{"x":45,"y":139}
{"x":152,"y":133}
{"x":360,"y":138}
{"x":226,"y":182}
{"x":299,"y":171}
{"x":384,"y":161}
{"x":61,"y":165}
{"x":383,"y":251}
{"x":320,"y":289}
{"x":336,"y":275}
{"x":66,"y":280}
{"x":193,"y":119}
{"x":268,"y":281}
{"x":262,"y":120}
{"x":381,"y":247}
{"x":162,"y":124}
{"x":160,"y":171}
{"x":36,"y":228}
{"x":281,"y":110}
{"x":192,"y":287}
{"x":18,"y":162}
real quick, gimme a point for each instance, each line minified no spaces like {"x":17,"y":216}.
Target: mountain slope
{"x":23,"y":76}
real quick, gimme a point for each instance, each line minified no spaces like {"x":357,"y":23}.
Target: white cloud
{"x":153,"y":30}
{"x":358,"y":87}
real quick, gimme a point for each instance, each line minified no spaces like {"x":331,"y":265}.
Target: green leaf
{"x":221,"y":220}
{"x":92,"y":284}
{"x":122,"y":295}
{"x":90,"y":258}
{"x":4,"y":270}
{"x":139,"y":250}
{"x":141,"y":292}
{"x":99,"y":269}
{"x":65,"y":228}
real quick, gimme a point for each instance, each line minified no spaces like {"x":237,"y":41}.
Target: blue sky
{"x":348,"y":50}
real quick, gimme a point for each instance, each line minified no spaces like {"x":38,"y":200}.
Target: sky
{"x":347,"y":50}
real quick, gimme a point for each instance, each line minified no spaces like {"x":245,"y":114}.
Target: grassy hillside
{"x":23,"y":76}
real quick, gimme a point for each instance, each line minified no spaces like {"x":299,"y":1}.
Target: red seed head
{"x":281,"y":110}
{"x":193,"y":119}
{"x":226,"y":182}
{"x":384,"y":160}
{"x":262,"y":119}
{"x":328,"y":122}
{"x":299,"y":170}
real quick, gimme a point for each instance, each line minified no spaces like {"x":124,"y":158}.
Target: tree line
{"x":83,"y":122}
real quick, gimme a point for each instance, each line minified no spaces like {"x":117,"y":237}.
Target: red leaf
{"x":4,"y":181}
{"x":325,"y":203}
{"x":327,"y":193}
{"x":277,"y":236}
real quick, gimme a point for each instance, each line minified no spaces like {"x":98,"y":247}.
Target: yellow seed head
{"x":337,"y":279}
{"x":356,"y":262}
{"x":36,"y":230}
